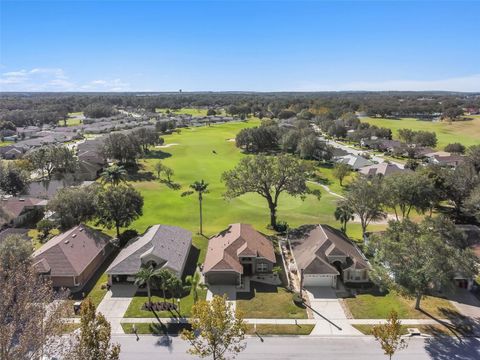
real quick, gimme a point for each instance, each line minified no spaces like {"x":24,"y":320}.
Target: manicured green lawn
{"x":325,"y":174}
{"x":135,"y":308}
{"x":465,"y":132}
{"x":192,"y":158}
{"x":262,"y":329}
{"x":269,"y":302}
{"x":96,"y":294}
{"x":368,"y":306}
{"x":268,"y":329}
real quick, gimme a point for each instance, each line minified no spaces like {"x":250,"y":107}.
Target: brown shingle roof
{"x":237,"y":240}
{"x":15,"y":205}
{"x":69,"y":253}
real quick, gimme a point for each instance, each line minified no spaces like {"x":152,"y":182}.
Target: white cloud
{"x":469,"y":83}
{"x":106,"y":85}
{"x":37,"y":79}
{"x":54,"y":79}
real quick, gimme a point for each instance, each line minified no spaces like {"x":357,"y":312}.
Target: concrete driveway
{"x":328,"y":313}
{"x":229,"y":290}
{"x":466,"y":303}
{"x":115,"y":303}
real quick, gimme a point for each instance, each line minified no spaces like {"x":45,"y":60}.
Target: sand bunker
{"x":166,"y":146}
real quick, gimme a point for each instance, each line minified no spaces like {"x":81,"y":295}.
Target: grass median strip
{"x":155,"y":328}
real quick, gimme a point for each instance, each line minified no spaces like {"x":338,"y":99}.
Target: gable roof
{"x":315,"y":244}
{"x":383,"y":168}
{"x":236,"y":241}
{"x":16,"y":205}
{"x":355,"y":161}
{"x":170,"y":244}
{"x":69,"y":253}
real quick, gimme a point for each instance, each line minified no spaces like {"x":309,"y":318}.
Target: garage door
{"x":318,"y":280}
{"x":221,"y":278}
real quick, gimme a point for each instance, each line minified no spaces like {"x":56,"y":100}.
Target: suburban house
{"x":71,"y":258}
{"x":236,"y":252}
{"x":90,"y":160}
{"x":21,"y":210}
{"x":162,"y":246}
{"x":12,"y":152}
{"x":325,"y":255}
{"x":446,"y":159}
{"x":471,"y":239}
{"x":383,"y":169}
{"x":384,"y":145}
{"x":355,"y":161}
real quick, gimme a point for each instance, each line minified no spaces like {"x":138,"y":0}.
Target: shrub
{"x":297,"y":299}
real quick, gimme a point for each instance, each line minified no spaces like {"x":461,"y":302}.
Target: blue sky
{"x":250,"y":45}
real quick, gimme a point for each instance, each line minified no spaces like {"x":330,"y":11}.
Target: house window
{"x":262,"y":267}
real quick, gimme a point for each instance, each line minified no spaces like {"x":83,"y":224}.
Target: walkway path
{"x":115,"y":303}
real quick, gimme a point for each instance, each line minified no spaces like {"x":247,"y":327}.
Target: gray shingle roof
{"x":312,"y":248}
{"x":170,"y":246}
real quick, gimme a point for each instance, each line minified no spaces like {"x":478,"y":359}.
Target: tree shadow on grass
{"x":458,"y":325}
{"x":171,"y":184}
{"x":157,"y":154}
{"x":141,"y":176}
{"x":256,"y":287}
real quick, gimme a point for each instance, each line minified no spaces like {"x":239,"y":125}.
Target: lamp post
{"x":178,"y":305}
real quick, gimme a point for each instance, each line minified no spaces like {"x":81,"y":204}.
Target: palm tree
{"x":200,"y":187}
{"x":344,"y":214}
{"x":145,"y":277}
{"x":164,"y":278}
{"x":195,"y":284}
{"x":114,"y":175}
{"x":176,"y":288}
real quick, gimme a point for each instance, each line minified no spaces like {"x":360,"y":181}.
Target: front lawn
{"x":372,"y":306}
{"x":135,"y":308}
{"x":268,"y":302}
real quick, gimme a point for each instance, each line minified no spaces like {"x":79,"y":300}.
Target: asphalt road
{"x":303,"y":348}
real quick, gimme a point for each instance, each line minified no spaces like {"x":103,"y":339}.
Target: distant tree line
{"x":41,"y":108}
{"x":339,"y":127}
